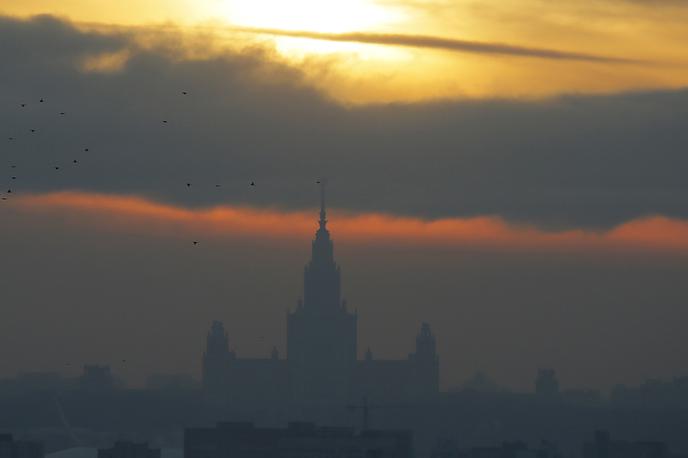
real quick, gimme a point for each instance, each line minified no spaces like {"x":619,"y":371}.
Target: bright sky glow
{"x":653,"y":33}
{"x":312,"y":15}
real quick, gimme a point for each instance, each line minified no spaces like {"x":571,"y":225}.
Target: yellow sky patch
{"x":364,"y":72}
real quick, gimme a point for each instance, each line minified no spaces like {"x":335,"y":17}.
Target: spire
{"x":321,"y":276}
{"x":323,"y":211}
{"x":322,"y":245}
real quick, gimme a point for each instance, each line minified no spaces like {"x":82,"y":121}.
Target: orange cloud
{"x":135,"y":214}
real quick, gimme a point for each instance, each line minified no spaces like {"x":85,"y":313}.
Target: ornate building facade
{"x":321,"y":362}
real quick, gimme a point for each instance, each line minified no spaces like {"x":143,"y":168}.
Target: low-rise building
{"x":10,"y":448}
{"x":302,"y":440}
{"x":124,"y":449}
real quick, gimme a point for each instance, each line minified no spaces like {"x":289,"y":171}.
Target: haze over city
{"x":502,"y":184}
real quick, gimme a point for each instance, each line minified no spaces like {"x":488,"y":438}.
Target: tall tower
{"x":321,"y":333}
{"x":216,"y":359}
{"x":426,"y":363}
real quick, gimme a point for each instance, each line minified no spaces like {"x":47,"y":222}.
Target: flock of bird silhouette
{"x":33,"y":131}
{"x":10,"y":191}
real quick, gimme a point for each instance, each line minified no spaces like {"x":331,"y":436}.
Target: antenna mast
{"x":323,"y":210}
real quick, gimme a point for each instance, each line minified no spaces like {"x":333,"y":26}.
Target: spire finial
{"x":323,"y":210}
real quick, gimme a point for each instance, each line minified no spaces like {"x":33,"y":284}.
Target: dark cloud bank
{"x":575,"y":161}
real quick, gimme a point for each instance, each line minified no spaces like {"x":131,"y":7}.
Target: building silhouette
{"x":10,"y":448}
{"x":125,"y":449}
{"x":546,"y":383}
{"x":321,"y":362}
{"x":508,"y":449}
{"x":96,"y":378}
{"x":244,"y":440}
{"x":604,"y":447}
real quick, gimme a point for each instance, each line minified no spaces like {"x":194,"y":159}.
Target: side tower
{"x":546,"y":383}
{"x":216,"y":359}
{"x":426,"y":363}
{"x":321,"y":333}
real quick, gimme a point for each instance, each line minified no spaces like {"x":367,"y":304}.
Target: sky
{"x":511,"y":172}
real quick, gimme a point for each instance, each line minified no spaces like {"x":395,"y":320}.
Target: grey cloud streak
{"x":446,"y":44}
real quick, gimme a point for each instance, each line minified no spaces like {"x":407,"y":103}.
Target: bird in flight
{"x":164,"y":121}
{"x":188,"y":185}
{"x":253,"y":183}
{"x":57,"y":167}
{"x":62,"y":112}
{"x":23,"y":105}
{"x":41,"y":101}
{"x":86,"y":149}
{"x":75,"y":161}
{"x":33,"y":130}
{"x":184,"y":92}
{"x":195,"y":242}
{"x":217,"y":185}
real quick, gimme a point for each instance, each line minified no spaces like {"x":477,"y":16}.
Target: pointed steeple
{"x":322,"y":245}
{"x":323,"y":210}
{"x":321,"y":276}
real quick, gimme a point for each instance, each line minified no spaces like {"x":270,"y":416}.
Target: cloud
{"x":446,"y":44}
{"x":132,"y":214}
{"x":570,"y":162}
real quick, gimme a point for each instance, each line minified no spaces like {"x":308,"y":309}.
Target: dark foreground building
{"x":604,"y":447}
{"x":10,"y":448}
{"x":302,"y":440}
{"x":124,"y":449}
{"x":321,"y":361}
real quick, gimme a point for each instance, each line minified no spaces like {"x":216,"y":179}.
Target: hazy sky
{"x":511,"y":172}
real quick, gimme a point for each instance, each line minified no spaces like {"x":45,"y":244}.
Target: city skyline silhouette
{"x":361,"y":229}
